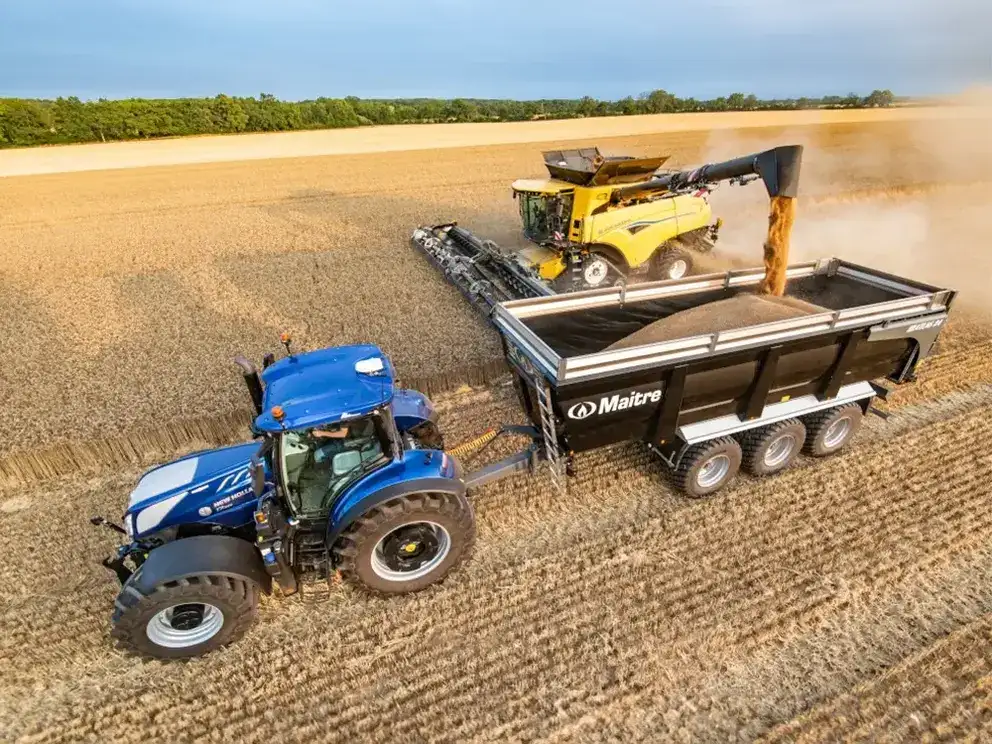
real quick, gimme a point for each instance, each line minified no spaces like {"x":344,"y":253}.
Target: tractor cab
{"x":330,"y":419}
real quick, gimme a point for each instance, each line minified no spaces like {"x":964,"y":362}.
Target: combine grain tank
{"x":706,"y":404}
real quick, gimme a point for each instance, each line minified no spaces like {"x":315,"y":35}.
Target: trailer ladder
{"x":552,"y":453}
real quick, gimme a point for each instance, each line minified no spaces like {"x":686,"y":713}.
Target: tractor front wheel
{"x":407,"y":543}
{"x":184,"y":618}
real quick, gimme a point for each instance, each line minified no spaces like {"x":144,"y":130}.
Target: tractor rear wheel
{"x":184,"y":618}
{"x":407,"y":543}
{"x":671,"y":261}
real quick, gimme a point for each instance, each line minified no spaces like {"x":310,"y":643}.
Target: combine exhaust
{"x":485,"y":273}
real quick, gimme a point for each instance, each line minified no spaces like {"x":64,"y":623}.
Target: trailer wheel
{"x":406,"y":544}
{"x":828,"y":431}
{"x":184,"y":618}
{"x":707,"y":467}
{"x":771,"y":449}
{"x":671,"y":262}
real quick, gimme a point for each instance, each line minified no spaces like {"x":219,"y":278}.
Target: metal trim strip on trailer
{"x":508,"y":317}
{"x":722,"y":426}
{"x":608,"y":296}
{"x":874,"y":276}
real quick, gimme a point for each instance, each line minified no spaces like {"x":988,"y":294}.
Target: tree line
{"x":27,"y":122}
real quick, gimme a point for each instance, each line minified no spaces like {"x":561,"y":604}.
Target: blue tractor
{"x":347,"y":473}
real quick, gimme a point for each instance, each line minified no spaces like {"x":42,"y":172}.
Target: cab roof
{"x":325,"y":386}
{"x":542,"y":185}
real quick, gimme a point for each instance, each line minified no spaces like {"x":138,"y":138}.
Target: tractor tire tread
{"x":348,"y":547}
{"x":127,"y":623}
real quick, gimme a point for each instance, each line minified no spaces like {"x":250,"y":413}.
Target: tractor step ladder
{"x":555,"y":461}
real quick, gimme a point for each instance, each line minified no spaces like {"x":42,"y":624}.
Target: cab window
{"x":320,"y":462}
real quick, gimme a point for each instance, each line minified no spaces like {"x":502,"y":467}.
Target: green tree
{"x":736,"y":101}
{"x":880,"y":98}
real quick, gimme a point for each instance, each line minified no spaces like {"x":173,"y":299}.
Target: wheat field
{"x":847,"y":599}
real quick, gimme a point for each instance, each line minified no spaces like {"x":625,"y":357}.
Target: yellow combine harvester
{"x":601,"y":221}
{"x":579,"y":211}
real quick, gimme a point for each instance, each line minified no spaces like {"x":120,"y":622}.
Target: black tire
{"x":822,"y":435}
{"x":771,"y":449}
{"x":414,"y":518}
{"x":614,"y":273}
{"x":671,"y":262}
{"x":137,"y":620}
{"x":686,"y":477}
{"x":428,"y":436}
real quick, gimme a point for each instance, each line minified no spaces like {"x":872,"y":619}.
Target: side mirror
{"x":345,"y":461}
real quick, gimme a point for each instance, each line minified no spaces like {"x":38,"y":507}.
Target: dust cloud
{"x":938,"y":237}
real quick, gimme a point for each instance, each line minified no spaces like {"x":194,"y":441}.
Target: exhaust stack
{"x":252,"y":381}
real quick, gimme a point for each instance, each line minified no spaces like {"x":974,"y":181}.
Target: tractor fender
{"x":417,"y":485}
{"x":218,"y":555}
{"x":412,"y":409}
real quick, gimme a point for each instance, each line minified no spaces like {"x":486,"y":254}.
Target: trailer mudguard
{"x":219,"y":555}
{"x":349,"y":512}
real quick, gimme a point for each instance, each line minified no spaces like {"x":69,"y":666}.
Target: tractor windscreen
{"x":544,"y":214}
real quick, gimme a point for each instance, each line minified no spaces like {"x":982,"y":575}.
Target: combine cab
{"x":600,"y":221}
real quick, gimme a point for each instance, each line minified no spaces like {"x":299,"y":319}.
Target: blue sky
{"x":300,"y":49}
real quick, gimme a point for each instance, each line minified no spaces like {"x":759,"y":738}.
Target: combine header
{"x":601,"y":221}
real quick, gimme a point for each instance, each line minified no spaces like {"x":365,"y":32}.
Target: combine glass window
{"x":542,"y":214}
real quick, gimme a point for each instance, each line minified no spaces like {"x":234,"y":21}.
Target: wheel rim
{"x":595,"y":272}
{"x":779,"y":450}
{"x":678,"y":269}
{"x":411,"y":551}
{"x":713,"y":471}
{"x":185,"y":625}
{"x":837,"y":432}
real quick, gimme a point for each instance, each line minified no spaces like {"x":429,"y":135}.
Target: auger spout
{"x":778,"y":168}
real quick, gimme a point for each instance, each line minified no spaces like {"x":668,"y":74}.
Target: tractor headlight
{"x":129,"y":526}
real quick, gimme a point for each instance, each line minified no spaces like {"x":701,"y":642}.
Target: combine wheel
{"x":406,"y":544}
{"x":671,"y":262}
{"x":707,"y":467}
{"x":772,"y":448}
{"x":828,"y":431}
{"x":184,"y":618}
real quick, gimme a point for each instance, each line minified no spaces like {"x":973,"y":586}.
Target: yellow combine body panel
{"x":548,"y":262}
{"x":637,"y":231}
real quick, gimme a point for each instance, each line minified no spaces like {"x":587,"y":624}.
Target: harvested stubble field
{"x":846,"y":599}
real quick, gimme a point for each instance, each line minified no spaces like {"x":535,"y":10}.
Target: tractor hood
{"x":185,"y":489}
